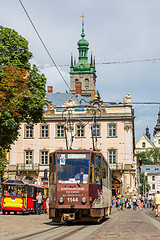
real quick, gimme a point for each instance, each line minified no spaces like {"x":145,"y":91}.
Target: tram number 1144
{"x":72,"y":199}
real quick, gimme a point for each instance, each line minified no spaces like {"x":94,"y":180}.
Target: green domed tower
{"x":83,"y":71}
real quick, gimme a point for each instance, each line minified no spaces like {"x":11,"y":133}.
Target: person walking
{"x":118,"y":203}
{"x":134,"y":200}
{"x":145,"y":202}
{"x":157,"y":203}
{"x":138,"y":204}
{"x":123,"y":203}
{"x":47,"y":205}
{"x":39,"y":203}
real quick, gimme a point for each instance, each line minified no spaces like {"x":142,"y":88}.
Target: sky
{"x":117,"y":31}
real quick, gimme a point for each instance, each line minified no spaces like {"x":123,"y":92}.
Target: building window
{"x":143,"y":145}
{"x":153,"y":186}
{"x":60,"y":131}
{"x":112,"y":156}
{"x":80,"y":131}
{"x":28,"y":131}
{"x":86,"y":83}
{"x":112,"y":130}
{"x":44,"y":131}
{"x":158,"y":141}
{"x":28,"y":157}
{"x":96,"y":130}
{"x":153,"y":178}
{"x":44,"y":158}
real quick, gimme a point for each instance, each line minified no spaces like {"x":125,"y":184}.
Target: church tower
{"x":156,"y":132}
{"x":83,"y":73}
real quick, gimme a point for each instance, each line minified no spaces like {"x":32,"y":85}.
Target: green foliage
{"x":22,"y":87}
{"x":3,"y":161}
{"x":150,"y":157}
{"x":13,"y":49}
{"x":144,"y":184}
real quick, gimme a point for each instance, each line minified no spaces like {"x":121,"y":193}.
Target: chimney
{"x":50,"y":89}
{"x":78,"y":88}
{"x":93,"y":94}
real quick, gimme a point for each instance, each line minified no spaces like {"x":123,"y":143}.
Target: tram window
{"x":52,"y":169}
{"x":105,"y":173}
{"x":98,"y":169}
{"x":92,"y":169}
{"x":31,"y":192}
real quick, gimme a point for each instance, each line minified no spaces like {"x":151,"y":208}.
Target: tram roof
{"x":15,"y":182}
{"x":77,"y":151}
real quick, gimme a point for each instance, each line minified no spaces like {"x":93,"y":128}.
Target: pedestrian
{"x":39,"y":203}
{"x":145,"y":202}
{"x":118,"y":203}
{"x":138,"y":204}
{"x":123,"y":203}
{"x":47,"y":205}
{"x":134,"y":200}
{"x":157,"y":204}
{"x":126,"y":202}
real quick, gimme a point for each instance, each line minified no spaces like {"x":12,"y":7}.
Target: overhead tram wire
{"x":44,"y":44}
{"x":103,"y":63}
{"x":113,"y":62}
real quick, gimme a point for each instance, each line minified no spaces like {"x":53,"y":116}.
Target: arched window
{"x":143,"y":145}
{"x":86,"y":82}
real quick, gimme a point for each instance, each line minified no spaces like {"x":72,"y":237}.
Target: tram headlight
{"x":84,"y":200}
{"x":61,"y":200}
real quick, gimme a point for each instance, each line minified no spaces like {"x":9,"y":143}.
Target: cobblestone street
{"x":13,"y":224}
{"x":129,"y":224}
{"x":126,"y":224}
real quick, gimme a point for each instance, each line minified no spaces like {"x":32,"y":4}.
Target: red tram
{"x":20,"y":196}
{"x":80,"y":186}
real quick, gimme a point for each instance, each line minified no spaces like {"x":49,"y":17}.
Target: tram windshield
{"x":72,"y":167}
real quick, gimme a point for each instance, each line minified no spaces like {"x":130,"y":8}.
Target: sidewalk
{"x":129,"y":224}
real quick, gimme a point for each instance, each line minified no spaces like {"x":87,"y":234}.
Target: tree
{"x":22,"y":88}
{"x":150,"y":157}
{"x":3,"y":162}
{"x":13,"y":49}
{"x":145,"y":157}
{"x":156,"y":155}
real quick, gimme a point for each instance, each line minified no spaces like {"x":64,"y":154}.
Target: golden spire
{"x":83,"y":18}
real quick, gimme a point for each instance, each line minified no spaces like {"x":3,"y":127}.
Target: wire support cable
{"x":111,"y":62}
{"x":43,"y":44}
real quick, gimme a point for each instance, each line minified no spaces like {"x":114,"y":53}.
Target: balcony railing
{"x":116,"y":166}
{"x":27,"y":167}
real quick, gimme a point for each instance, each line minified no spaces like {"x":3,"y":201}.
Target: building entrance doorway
{"x":116,"y":187}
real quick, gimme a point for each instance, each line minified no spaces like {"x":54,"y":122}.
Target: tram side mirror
{"x":103,"y":172}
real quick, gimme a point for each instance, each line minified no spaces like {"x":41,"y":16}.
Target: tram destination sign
{"x":79,"y":156}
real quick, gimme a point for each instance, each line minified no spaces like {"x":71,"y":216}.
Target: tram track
{"x":55,"y":233}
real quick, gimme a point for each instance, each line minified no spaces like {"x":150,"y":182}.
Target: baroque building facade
{"x":79,"y":120}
